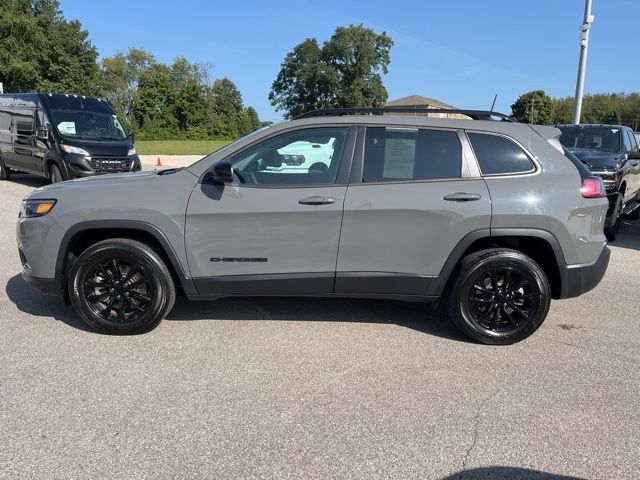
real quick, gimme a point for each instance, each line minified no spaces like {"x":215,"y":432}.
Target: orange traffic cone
{"x":158,"y":162}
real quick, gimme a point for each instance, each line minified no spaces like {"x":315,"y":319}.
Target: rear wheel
{"x":121,"y":286}
{"x":499,"y":296}
{"x":54,"y":174}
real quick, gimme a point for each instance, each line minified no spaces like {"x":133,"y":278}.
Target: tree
{"x":533,"y":107}
{"x":345,"y":72}
{"x":119,"y":79}
{"x":42,"y":51}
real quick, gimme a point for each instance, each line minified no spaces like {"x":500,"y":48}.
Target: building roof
{"x":412,"y":100}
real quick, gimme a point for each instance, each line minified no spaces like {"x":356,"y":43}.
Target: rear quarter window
{"x":498,"y":155}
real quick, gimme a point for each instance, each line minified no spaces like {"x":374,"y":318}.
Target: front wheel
{"x":55,"y":174}
{"x":611,"y":231}
{"x":121,"y":286}
{"x":499,"y":296}
{"x":5,"y":172}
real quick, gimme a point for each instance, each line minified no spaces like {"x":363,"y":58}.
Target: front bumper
{"x":579,"y":279}
{"x":48,"y":286}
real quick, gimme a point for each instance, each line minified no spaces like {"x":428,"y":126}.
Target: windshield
{"x":604,"y":139}
{"x":88,"y":125}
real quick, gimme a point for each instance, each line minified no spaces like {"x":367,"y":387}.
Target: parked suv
{"x":489,"y":216}
{"x":611,"y":153}
{"x":62,"y":137}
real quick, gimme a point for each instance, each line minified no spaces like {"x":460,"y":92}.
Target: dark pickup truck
{"x":611,"y":152}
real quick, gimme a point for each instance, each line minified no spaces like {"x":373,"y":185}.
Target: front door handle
{"x":462,"y":197}
{"x":317,"y":200}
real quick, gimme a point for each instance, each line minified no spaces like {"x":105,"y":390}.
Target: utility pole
{"x":531,"y":109}
{"x":584,"y":46}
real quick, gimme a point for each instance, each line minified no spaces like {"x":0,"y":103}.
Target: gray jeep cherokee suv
{"x":490,"y":216}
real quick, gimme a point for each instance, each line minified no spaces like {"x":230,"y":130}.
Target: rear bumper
{"x":579,"y":279}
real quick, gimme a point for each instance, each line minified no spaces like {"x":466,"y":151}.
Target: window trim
{"x":344,"y":166}
{"x":536,"y":170}
{"x":357,"y":174}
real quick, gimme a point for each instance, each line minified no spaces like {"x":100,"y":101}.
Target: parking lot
{"x":318,"y":388}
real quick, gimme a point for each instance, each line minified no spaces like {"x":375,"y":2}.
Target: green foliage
{"x":42,"y":51}
{"x":533,"y":107}
{"x":344,"y":72}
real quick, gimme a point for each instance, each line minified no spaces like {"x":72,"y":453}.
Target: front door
{"x":275,"y":228}
{"x":415,"y":199}
{"x":23,"y":138}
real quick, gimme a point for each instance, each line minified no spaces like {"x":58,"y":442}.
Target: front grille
{"x":111,"y":164}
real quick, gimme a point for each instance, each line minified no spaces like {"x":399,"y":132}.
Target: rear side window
{"x":396,"y":154}
{"x":498,"y":155}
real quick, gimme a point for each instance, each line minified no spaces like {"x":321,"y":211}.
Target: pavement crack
{"x":591,"y":349}
{"x":476,"y":428}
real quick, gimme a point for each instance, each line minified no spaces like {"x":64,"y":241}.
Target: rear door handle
{"x":317,"y":200}
{"x":462,"y":197}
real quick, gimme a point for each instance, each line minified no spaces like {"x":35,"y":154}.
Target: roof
{"x":59,"y":101}
{"x":417,"y":100}
{"x":591,"y":125}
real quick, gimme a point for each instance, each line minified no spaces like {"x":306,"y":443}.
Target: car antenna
{"x":494,"y":102}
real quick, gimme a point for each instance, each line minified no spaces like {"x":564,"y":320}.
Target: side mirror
{"x":221,"y":172}
{"x":633,"y":155}
{"x":42,"y":133}
{"x":132,"y":137}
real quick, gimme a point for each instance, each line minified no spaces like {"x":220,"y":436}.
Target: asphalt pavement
{"x":317,"y":388}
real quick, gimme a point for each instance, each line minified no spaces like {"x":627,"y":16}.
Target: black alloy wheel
{"x":498,"y":296}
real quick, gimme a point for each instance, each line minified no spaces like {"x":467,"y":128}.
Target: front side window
{"x":23,"y":121}
{"x":397,"y":154}
{"x":303,"y":157}
{"x":88,"y":125}
{"x":498,"y":155}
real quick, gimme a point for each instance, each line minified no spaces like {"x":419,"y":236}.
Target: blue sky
{"x":461,"y":52}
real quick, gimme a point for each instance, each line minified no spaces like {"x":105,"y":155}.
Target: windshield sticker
{"x":68,"y":128}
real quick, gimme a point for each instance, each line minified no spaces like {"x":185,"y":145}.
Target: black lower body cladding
{"x":577,"y":280}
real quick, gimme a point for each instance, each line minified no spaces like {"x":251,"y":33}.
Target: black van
{"x":62,"y":137}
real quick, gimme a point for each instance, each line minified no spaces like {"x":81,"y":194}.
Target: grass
{"x":178,"y":147}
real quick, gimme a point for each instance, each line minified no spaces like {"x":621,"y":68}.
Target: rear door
{"x":414,"y":195}
{"x":275,"y":228}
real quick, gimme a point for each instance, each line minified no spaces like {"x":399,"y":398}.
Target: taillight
{"x":593,"y":188}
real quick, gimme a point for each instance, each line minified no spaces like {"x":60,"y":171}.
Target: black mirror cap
{"x":221,"y":172}
{"x":132,"y":137}
{"x":42,"y":133}
{"x":633,"y":155}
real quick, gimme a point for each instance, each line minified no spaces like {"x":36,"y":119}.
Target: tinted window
{"x":498,"y":155}
{"x":606,"y":139}
{"x":304,"y":157}
{"x":410,"y":154}
{"x":630,"y":144}
{"x":23,"y":121}
{"x":626,"y":142}
{"x":5,"y":119}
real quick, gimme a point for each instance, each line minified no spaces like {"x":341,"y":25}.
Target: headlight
{"x":79,"y":151}
{"x":132,"y":151}
{"x":36,"y":208}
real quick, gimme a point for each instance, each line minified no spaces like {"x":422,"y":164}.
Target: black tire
{"x":129,"y":297}
{"x":5,"y":172}
{"x":498,"y":296}
{"x":611,"y":231}
{"x":55,"y":175}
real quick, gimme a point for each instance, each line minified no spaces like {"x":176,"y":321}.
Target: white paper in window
{"x":399,"y":157}
{"x":68,"y":128}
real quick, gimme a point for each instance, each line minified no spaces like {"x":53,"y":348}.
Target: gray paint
{"x":404,"y":229}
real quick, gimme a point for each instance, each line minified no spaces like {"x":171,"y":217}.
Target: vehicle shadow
{"x":29,"y":180}
{"x":507,"y":473}
{"x":628,"y":235}
{"x":415,"y":316}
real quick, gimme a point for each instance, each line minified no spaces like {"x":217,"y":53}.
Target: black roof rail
{"x":339,"y":112}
